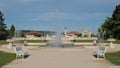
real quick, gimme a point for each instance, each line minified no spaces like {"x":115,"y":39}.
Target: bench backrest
{"x":102,"y":49}
{"x":17,"y":49}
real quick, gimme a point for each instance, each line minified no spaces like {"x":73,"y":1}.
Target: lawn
{"x":33,"y":41}
{"x":3,"y":42}
{"x":82,"y":40}
{"x":43,"y":41}
{"x":117,"y":42}
{"x":6,"y":58}
{"x":102,"y":41}
{"x":113,"y":57}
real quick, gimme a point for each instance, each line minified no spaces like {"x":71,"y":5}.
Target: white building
{"x":86,"y":33}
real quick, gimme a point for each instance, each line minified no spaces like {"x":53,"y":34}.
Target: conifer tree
{"x":12,"y":31}
{"x":3,"y":32}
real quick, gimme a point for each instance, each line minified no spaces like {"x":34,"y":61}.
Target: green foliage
{"x":22,"y":34}
{"x":79,"y":35}
{"x":12,"y":31}
{"x":6,"y":58}
{"x":112,"y":25}
{"x":116,"y":13}
{"x":3,"y":32}
{"x":93,"y":35}
{"x":113,"y":57}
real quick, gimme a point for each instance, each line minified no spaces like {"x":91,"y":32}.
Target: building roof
{"x":34,"y":33}
{"x":74,"y":32}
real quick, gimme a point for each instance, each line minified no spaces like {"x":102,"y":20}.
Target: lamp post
{"x":25,"y":42}
{"x":45,"y":38}
{"x":102,"y":34}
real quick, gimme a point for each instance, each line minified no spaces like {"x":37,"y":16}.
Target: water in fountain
{"x":16,"y":37}
{"x":56,"y":40}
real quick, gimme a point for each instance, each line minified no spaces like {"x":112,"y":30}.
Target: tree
{"x":112,"y":25}
{"x":12,"y":31}
{"x":79,"y":35}
{"x":3,"y":32}
{"x":116,"y":13}
{"x":22,"y":34}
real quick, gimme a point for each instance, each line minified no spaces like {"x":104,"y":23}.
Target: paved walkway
{"x":60,"y":58}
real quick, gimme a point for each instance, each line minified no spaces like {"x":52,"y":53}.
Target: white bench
{"x":20,"y":53}
{"x":100,"y":52}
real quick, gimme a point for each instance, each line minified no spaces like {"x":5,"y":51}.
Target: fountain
{"x":16,"y":37}
{"x":57,"y":40}
{"x":14,"y":41}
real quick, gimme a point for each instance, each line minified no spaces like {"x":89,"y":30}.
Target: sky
{"x":75,"y":15}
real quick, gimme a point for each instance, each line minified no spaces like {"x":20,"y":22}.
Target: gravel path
{"x":60,"y":58}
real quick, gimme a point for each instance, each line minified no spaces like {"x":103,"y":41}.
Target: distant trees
{"x":112,"y":25}
{"x":4,"y":34}
{"x":3,"y":31}
{"x":79,"y":35}
{"x":11,"y":31}
{"x":22,"y":34}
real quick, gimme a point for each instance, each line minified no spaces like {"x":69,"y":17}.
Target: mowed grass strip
{"x":3,"y":42}
{"x":117,"y":42}
{"x":81,"y":41}
{"x":102,"y":41}
{"x":33,"y":41}
{"x":113,"y":57}
{"x":6,"y":58}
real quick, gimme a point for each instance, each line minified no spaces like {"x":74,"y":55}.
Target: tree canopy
{"x":3,"y":32}
{"x":112,"y":24}
{"x":12,"y":31}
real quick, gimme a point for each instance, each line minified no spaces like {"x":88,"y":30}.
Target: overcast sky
{"x":76,"y":15}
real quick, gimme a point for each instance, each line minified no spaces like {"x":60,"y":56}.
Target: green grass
{"x":32,"y":41}
{"x":117,"y":42}
{"x":82,"y":40}
{"x":22,"y":41}
{"x":42,"y":41}
{"x":102,"y":41}
{"x":3,"y":42}
{"x":113,"y":57}
{"x":6,"y":58}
